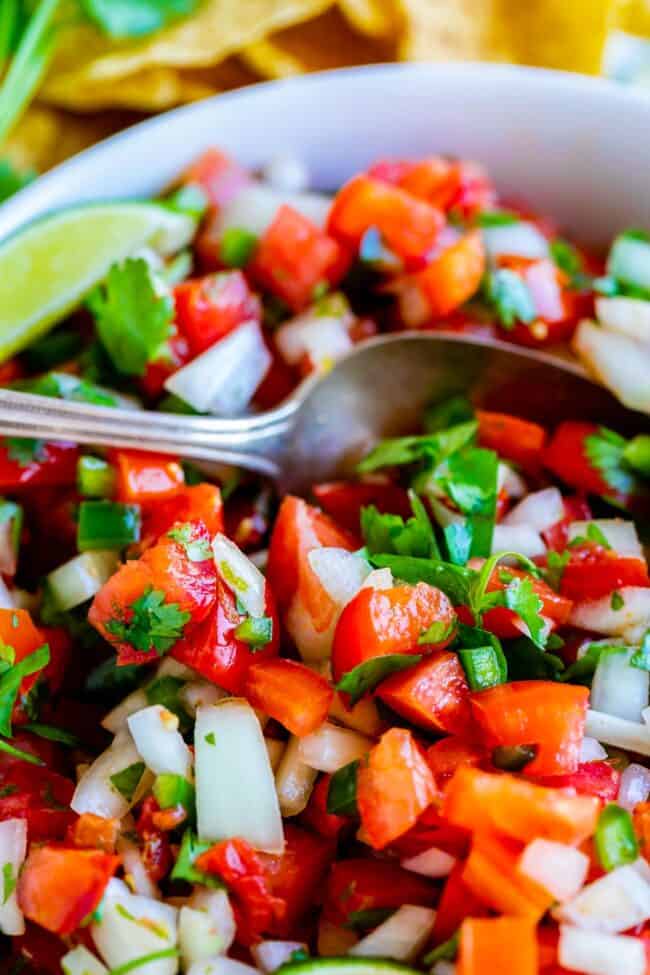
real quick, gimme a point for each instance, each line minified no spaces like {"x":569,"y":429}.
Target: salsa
{"x":399,"y":725}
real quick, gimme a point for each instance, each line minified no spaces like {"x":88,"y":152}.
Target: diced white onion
{"x":223,"y":379}
{"x":13,"y":847}
{"x":634,"y":786}
{"x":599,"y":616}
{"x":520,"y":239}
{"x":78,"y":580}
{"x":363,"y":717}
{"x":322,"y":339}
{"x":221,"y":965}
{"x":615,"y":902}
{"x":216,"y":904}
{"x":538,"y":510}
{"x":378,"y":579}
{"x":629,"y":316}
{"x":132,"y":926}
{"x":600,"y":954}
{"x":517,"y":538}
{"x":8,"y":598}
{"x":235,"y":790}
{"x":619,"y":362}
{"x":294,"y":780}
{"x":618,"y":688}
{"x":340,"y":572}
{"x":621,"y":535}
{"x":430,"y":863}
{"x":591,"y":750}
{"x":329,"y":748}
{"x":135,"y":873}
{"x":159,"y":742}
{"x":645,"y":714}
{"x":510,"y":481}
{"x":95,"y":792}
{"x":80,"y":961}
{"x":115,"y":720}
{"x":275,"y":748}
{"x":239,"y":573}
{"x":618,"y":732}
{"x":559,"y":868}
{"x":287,"y":173}
{"x":312,"y":644}
{"x":198,"y":694}
{"x":198,"y":937}
{"x":255,"y":207}
{"x":402,"y":936}
{"x":269,"y":955}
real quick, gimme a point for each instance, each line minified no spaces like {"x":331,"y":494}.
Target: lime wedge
{"x":48,"y":268}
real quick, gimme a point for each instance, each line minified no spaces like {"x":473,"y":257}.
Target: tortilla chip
{"x":448,"y":30}
{"x":376,"y":18}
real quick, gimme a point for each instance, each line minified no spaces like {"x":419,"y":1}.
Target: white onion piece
{"x":294,"y":780}
{"x":95,"y":793}
{"x":517,"y":538}
{"x":217,"y":905}
{"x":135,"y":873}
{"x":600,"y":954}
{"x":341,"y":573}
{"x":80,"y":961}
{"x":618,"y":688}
{"x":520,"y":239}
{"x":617,"y":732}
{"x":132,"y":926}
{"x":206,"y":926}
{"x":322,"y":340}
{"x":615,"y":902}
{"x":312,"y":644}
{"x":221,"y":965}
{"x":269,"y":955}
{"x":430,"y":863}
{"x":634,"y":786}
{"x":13,"y":847}
{"x":538,"y":510}
{"x":591,"y":750}
{"x":286,"y":173}
{"x":239,"y":573}
{"x":597,"y":614}
{"x":621,"y":535}
{"x":378,"y":579}
{"x":557,"y":867}
{"x":223,"y":379}
{"x":115,"y":720}
{"x":628,"y":316}
{"x":8,"y":599}
{"x":402,"y":936}
{"x":510,"y":481}
{"x":159,"y":742}
{"x":235,"y":790}
{"x":329,"y":748}
{"x":255,"y":207}
{"x":78,"y":580}
{"x":275,"y":749}
{"x":363,"y":717}
{"x":199,"y":694}
{"x":645,"y":714}
{"x":619,"y":362}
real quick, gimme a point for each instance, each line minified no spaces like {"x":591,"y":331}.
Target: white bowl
{"x":576,"y":147}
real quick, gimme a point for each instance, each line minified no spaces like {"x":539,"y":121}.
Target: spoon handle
{"x":256,"y":443}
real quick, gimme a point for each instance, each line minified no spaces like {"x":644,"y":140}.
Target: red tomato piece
{"x":316,"y":815}
{"x":379,"y":622}
{"x":513,"y":438}
{"x":156,"y":849}
{"x":343,"y":500}
{"x":456,"y":903}
{"x":566,"y":457}
{"x":506,"y":945}
{"x":448,"y":754}
{"x":435,"y":180}
{"x":218,"y":175}
{"x":40,"y":796}
{"x":209,"y":308}
{"x":454,"y":276}
{"x":177,"y":354}
{"x":91,"y":831}
{"x":498,"y":620}
{"x":433,"y":694}
{"x":296,"y":876}
{"x":18,"y":631}
{"x":595,"y":572}
{"x":290,"y":692}
{"x":394,"y":787}
{"x":432,"y":830}
{"x":575,"y":509}
{"x":201,"y":502}
{"x":52,"y":464}
{"x":59,"y":887}
{"x":146,"y":477}
{"x":369,"y":885}
{"x":243,"y":871}
{"x":544,"y":714}
{"x":60,"y":643}
{"x":408,"y":226}
{"x":589,"y":779}
{"x":189,"y":583}
{"x":491,"y":874}
{"x":390,"y":170}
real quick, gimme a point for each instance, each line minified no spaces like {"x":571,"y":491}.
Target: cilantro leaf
{"x":469,"y":479}
{"x":133,"y":312}
{"x":196,"y":548}
{"x":454,"y":580}
{"x":604,"y":451}
{"x":135,"y":18}
{"x":526,"y":661}
{"x":407,"y":450}
{"x":521,"y":598}
{"x":155,"y":625}
{"x":448,"y":413}
{"x":342,"y":792}
{"x":510,"y":297}
{"x":184,"y":869}
{"x":25,"y":450}
{"x":11,"y":680}
{"x":390,"y":534}
{"x":61,"y":385}
{"x":366,"y":676}
{"x":11,"y":180}
{"x":127,"y":780}
{"x":641,"y":657}
{"x":497,"y":218}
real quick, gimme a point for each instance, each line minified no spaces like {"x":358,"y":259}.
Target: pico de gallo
{"x":399,"y":726}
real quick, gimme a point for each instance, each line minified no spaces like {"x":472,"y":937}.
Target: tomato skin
{"x":456,"y":903}
{"x":146,"y":477}
{"x":433,"y":694}
{"x":448,"y":754}
{"x":504,"y":623}
{"x":597,"y":778}
{"x":513,"y":438}
{"x":432,"y":830}
{"x":566,"y":457}
{"x":200,"y":502}
{"x":90,"y":830}
{"x":59,"y":887}
{"x":293,"y":256}
{"x":368,"y":885}
{"x":211,"y":307}
{"x":408,"y":226}
{"x":218,"y":175}
{"x":343,"y":501}
{"x":156,"y":849}
{"x":57,"y":465}
{"x":595,"y":572}
{"x":575,"y":509}
{"x":394,"y":787}
{"x":38,"y":795}
{"x":454,"y":276}
{"x":158,"y":371}
{"x":296,"y":876}
{"x":389,"y":621}
{"x":548,"y":715}
{"x":293,"y":694}
{"x":316,"y":816}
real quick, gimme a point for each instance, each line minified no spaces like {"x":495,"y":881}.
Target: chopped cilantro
{"x":510,"y":297}
{"x":497,"y":218}
{"x":155,"y":625}
{"x":184,"y":869}
{"x":448,"y":413}
{"x":617,"y":602}
{"x":604,"y":451}
{"x":210,"y":738}
{"x":388,"y":534}
{"x":521,"y":598}
{"x":25,"y":450}
{"x":8,"y":881}
{"x":256,"y":631}
{"x":342,"y":791}
{"x":469,"y":479}
{"x":366,"y":676}
{"x":434,"y":447}
{"x":11,"y":680}
{"x":237,"y":246}
{"x":196,"y":549}
{"x":128,"y":779}
{"x":556,"y":563}
{"x":51,"y":733}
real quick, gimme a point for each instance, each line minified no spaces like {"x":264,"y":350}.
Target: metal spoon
{"x":380,"y":389}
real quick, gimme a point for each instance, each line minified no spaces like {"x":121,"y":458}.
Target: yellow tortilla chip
{"x":448,"y":30}
{"x":45,"y":137}
{"x":376,"y":18}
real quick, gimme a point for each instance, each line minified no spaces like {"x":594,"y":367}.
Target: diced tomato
{"x":201,"y":502}
{"x":641,"y":819}
{"x":156,"y":849}
{"x":18,"y":631}
{"x":448,"y":754}
{"x":296,"y":876}
{"x":60,"y":643}
{"x":52,"y":464}
{"x":566,"y":456}
{"x":456,"y":903}
{"x":408,"y":226}
{"x":593,"y":572}
{"x":91,"y":831}
{"x":517,"y":808}
{"x":176,"y":354}
{"x":504,"y":623}
{"x":58,"y":888}
{"x":505,"y":944}
{"x":575,"y":509}
{"x":209,"y":308}
{"x":431,"y":830}
{"x":390,"y":170}
{"x":434,"y":179}
{"x":218,"y":175}
{"x":589,"y":779}
{"x":40,"y":796}
{"x":394,"y":787}
{"x":279,"y":382}
{"x":243,"y":871}
{"x":491,"y":874}
{"x":549,"y":716}
{"x":453,"y":276}
{"x":558,"y":308}
{"x":316,"y":815}
{"x":146,"y":477}
{"x":513,"y":439}
{"x":290,"y":692}
{"x":379,"y":622}
{"x":433,"y":694}
{"x":369,"y":885}
{"x":343,"y":500}
{"x":293,"y":257}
